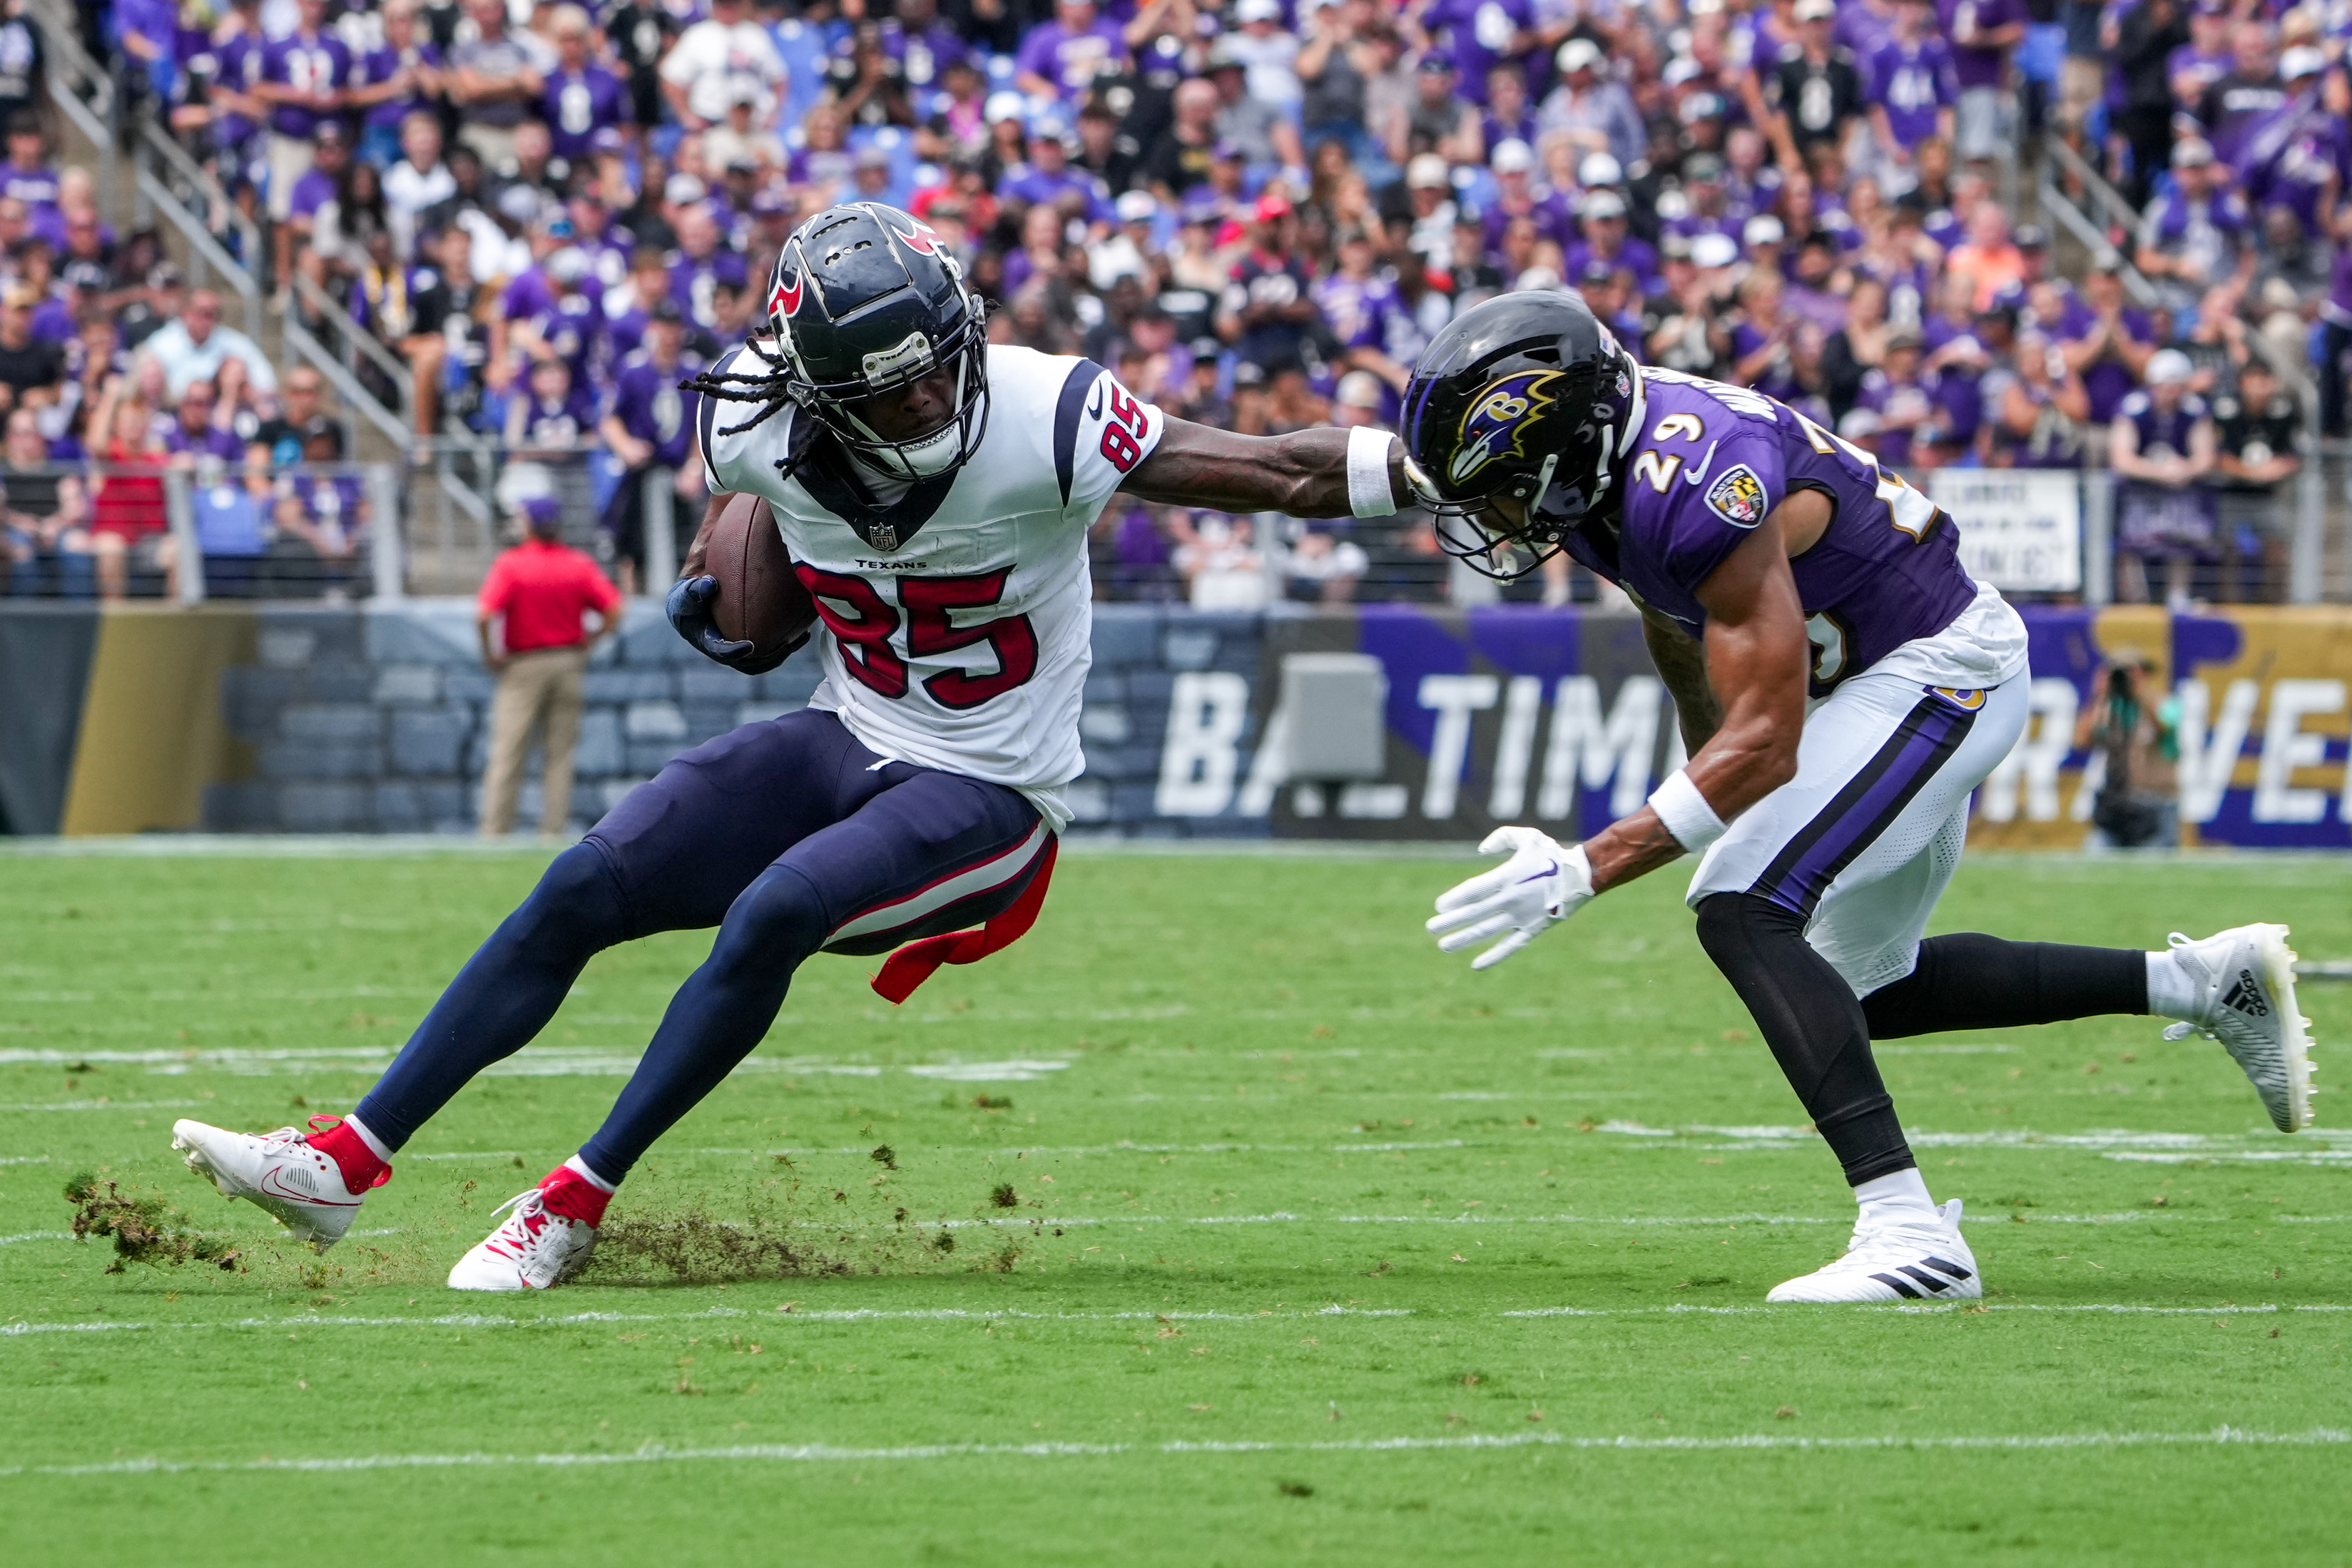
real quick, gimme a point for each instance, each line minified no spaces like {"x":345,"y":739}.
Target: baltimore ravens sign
{"x":1496,"y":424}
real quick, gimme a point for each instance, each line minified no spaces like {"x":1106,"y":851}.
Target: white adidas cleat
{"x":278,"y":1173}
{"x":2245,"y":978}
{"x":1914,"y":1260}
{"x":533,"y":1249}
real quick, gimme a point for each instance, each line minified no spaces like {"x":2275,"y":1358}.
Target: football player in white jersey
{"x":935,"y":492}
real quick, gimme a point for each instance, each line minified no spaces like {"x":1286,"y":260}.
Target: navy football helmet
{"x":864,"y":299}
{"x":1516,"y":422}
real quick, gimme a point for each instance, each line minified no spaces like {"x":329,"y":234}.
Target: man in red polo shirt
{"x":540,"y":590}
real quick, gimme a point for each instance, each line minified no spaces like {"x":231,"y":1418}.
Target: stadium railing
{"x":207,"y":530}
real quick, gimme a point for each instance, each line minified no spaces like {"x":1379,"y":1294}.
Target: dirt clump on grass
{"x":697,"y":1247}
{"x":143,"y":1229}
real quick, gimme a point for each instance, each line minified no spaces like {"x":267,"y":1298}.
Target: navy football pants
{"x":789,"y":837}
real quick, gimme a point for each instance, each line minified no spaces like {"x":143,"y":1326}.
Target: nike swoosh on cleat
{"x":269,"y":1184}
{"x":1692,"y":476}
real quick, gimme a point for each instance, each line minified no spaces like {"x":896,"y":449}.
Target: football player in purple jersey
{"x":1843,"y":685}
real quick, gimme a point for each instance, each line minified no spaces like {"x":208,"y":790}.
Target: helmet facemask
{"x":927,"y":454}
{"x":1525,"y":519}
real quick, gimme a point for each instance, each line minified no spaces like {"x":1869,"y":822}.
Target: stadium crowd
{"x":1256,"y":215}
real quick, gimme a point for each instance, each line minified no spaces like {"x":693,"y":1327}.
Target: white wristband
{"x":1685,"y":811}
{"x":1369,"y":492}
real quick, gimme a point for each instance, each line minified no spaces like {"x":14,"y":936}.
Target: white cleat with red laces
{"x":534,"y":1248}
{"x":278,"y":1173}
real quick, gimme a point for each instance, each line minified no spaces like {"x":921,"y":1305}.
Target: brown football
{"x":759,"y":598}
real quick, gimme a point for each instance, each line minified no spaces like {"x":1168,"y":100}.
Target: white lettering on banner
{"x":1522,"y":706}
{"x":2019,"y":528}
{"x":2208,"y":759}
{"x":1201,"y":752}
{"x":2040,"y":751}
{"x":2288,"y":746}
{"x":1585,"y":748}
{"x":1454,"y":698}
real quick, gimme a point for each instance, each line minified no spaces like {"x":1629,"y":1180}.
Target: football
{"x":759,"y":599}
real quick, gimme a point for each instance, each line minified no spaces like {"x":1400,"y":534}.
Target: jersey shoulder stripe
{"x":1075,"y":386}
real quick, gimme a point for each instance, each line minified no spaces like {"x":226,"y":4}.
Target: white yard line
{"x":792,"y":1312}
{"x":805,"y":1453}
{"x":105,"y":1105}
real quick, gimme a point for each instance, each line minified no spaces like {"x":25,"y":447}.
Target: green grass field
{"x":1319,"y":1247}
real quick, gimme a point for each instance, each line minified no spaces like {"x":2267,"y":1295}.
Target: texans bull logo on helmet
{"x":1496,"y":425}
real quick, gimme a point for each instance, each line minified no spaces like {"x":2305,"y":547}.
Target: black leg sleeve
{"x":1814,"y":1023}
{"x":1971,"y":982}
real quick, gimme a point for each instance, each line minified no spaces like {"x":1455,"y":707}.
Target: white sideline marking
{"x":839,"y":1315}
{"x":35,"y":1236}
{"x":104,"y":1105}
{"x":537,"y":1061}
{"x":803,"y":1452}
{"x":2122,"y":1308}
{"x":966,"y":1314}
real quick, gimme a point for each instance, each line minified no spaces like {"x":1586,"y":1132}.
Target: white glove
{"x":1539,"y":887}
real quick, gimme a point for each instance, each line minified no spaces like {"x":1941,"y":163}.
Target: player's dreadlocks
{"x":773,"y":391}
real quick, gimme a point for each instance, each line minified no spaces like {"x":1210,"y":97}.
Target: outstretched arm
{"x":1303,"y":474}
{"x":1753,"y":670}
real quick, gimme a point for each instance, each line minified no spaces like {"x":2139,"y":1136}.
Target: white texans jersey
{"x":957,"y":622}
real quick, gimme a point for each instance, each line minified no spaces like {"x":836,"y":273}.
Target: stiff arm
{"x":1303,"y":474}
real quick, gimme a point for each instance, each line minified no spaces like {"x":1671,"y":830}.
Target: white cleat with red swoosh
{"x":278,"y":1172}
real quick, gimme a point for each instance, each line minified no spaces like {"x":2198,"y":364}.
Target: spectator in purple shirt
{"x":925,"y":47}
{"x":394,"y":80}
{"x":26,"y":176}
{"x":1516,"y":197}
{"x":1047,"y":177}
{"x":330,"y":154}
{"x":2113,"y":347}
{"x":649,"y":424}
{"x":699,"y":264}
{"x":581,"y":97}
{"x":1911,"y":90}
{"x":301,"y":82}
{"x":2192,"y":236}
{"x":1061,"y":59}
{"x":1481,"y":35}
{"x":2250,"y":93}
{"x":194,"y":435}
{"x":1982,"y":33}
{"x":553,"y":415}
{"x":1608,"y":242}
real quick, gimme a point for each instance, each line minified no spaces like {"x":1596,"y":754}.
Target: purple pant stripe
{"x":1866,"y":807}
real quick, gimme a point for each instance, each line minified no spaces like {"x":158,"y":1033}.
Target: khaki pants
{"x":493,"y":143}
{"x":290,"y":160}
{"x":546,"y":682}
{"x":2081,"y":80}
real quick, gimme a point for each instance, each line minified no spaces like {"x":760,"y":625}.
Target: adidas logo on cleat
{"x":1928,"y":1284}
{"x":2246,"y":997}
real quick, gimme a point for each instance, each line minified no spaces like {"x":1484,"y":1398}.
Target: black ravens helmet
{"x":1515,"y":423}
{"x":863,"y":300}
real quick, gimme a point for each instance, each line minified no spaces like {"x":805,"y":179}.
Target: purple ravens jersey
{"x":1709,"y":463}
